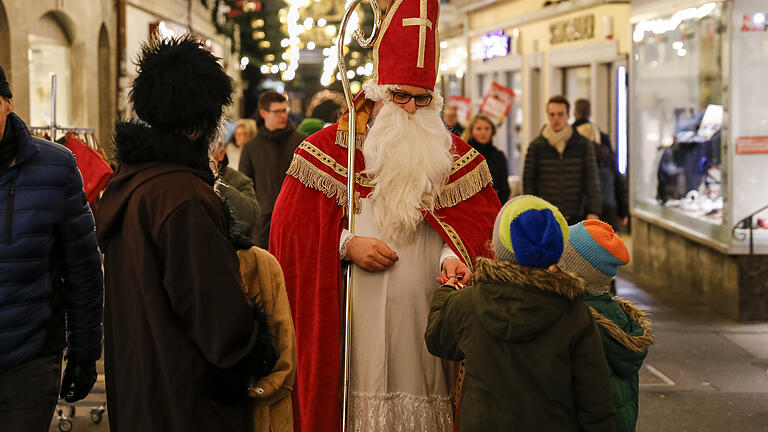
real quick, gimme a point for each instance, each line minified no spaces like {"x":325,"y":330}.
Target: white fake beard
{"x":409,"y":159}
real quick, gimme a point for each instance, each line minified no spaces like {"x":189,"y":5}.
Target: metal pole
{"x":365,"y":43}
{"x":53,"y":107}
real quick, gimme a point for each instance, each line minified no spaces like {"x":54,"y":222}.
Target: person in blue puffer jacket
{"x":51,"y":282}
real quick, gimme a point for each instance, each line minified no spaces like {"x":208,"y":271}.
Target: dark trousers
{"x":28,"y":394}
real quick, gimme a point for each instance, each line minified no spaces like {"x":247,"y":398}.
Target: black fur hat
{"x":180,"y":86}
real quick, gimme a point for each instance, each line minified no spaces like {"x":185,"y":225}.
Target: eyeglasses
{"x":403,"y":98}
{"x":280,"y":111}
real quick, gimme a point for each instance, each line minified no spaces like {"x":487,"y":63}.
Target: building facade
{"x":77,"y":41}
{"x":578,"y":48}
{"x":90,"y":46}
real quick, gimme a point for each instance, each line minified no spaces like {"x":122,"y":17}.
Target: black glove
{"x":230,"y":386}
{"x":79,"y":378}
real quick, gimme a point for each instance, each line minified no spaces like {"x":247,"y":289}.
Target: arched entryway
{"x":50,"y":53}
{"x":5,"y":42}
{"x":106,"y":94}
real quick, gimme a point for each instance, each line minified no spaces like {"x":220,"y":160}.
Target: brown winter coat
{"x":174,"y":309}
{"x":265,"y":159}
{"x":263,"y":281}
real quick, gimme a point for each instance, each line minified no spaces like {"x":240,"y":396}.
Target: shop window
{"x":577,"y":83}
{"x":49,"y":53}
{"x":677,"y":113}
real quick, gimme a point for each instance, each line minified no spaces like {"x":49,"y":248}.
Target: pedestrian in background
{"x":181,"y":339}
{"x":594,"y":252}
{"x":236,"y":190}
{"x":51,"y":284}
{"x":451,"y":121}
{"x":560,"y":166}
{"x":479,"y":134}
{"x":532,"y":354}
{"x":613,"y":185}
{"x":266,"y":158}
{"x":245,"y":130}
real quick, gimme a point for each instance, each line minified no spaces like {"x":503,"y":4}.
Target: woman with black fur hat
{"x":181,"y":340}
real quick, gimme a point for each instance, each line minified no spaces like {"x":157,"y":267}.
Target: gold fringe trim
{"x":464,"y":160}
{"x":332,"y":164}
{"x":465,"y":187}
{"x":634,"y":343}
{"x":314,"y":178}
{"x":342,"y":139}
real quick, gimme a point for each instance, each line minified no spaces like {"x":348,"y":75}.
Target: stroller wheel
{"x":65,"y":425}
{"x":97,"y":414}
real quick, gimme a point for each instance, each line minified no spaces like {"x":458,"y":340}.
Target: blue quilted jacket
{"x":50,"y":264}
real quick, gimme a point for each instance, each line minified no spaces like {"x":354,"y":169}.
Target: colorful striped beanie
{"x":595,"y":253}
{"x":530,"y":231}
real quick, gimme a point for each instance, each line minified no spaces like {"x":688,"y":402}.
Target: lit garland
{"x":331,"y":60}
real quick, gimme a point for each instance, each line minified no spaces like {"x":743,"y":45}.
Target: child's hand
{"x":452,"y":282}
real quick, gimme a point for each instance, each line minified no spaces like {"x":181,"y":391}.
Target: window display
{"x":678,"y":111}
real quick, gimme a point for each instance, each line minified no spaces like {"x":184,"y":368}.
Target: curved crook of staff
{"x":365,"y":43}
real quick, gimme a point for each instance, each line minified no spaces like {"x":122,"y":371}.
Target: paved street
{"x":704,"y":374}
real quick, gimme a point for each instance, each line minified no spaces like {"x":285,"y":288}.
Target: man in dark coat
{"x":181,"y":340}
{"x":560,"y":166}
{"x":266,"y":158}
{"x":50,"y":277}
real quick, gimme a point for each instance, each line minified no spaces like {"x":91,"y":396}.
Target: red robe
{"x":307,"y":221}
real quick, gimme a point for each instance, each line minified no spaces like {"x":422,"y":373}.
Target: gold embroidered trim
{"x":314,"y":178}
{"x":456,"y":241}
{"x":465,"y":187}
{"x":341,"y":139}
{"x":463,"y":161}
{"x":332,"y":164}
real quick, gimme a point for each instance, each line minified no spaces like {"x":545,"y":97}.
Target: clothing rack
{"x":53,"y":128}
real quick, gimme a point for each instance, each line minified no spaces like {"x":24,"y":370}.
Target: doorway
{"x":5,"y":42}
{"x":106,"y":116}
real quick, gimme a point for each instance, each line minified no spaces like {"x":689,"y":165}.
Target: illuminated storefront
{"x":699,"y":133}
{"x":578,"y":49}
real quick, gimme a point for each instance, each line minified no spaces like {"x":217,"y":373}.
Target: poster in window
{"x":497,"y":102}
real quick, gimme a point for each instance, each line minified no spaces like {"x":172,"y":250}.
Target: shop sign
{"x":573,"y":29}
{"x":752,"y":145}
{"x":757,"y":22}
{"x":494,"y":44}
{"x":497,"y":102}
{"x":463,"y":107}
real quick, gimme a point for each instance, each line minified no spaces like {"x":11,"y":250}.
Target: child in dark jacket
{"x":533,"y":355}
{"x":594,"y":252}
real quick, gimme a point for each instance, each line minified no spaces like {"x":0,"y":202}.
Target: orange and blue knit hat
{"x":530,"y":231}
{"x":595,"y":253}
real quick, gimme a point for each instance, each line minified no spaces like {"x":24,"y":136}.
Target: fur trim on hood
{"x":561,"y":283}
{"x":634,"y":343}
{"x":135,"y":143}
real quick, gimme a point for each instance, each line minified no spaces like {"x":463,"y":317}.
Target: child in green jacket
{"x":532,"y":354}
{"x":594,"y":252}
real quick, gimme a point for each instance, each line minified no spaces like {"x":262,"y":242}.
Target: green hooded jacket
{"x":626,"y":334}
{"x":533,"y":356}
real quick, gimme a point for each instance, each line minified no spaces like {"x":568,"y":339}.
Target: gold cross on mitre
{"x":423,"y":22}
